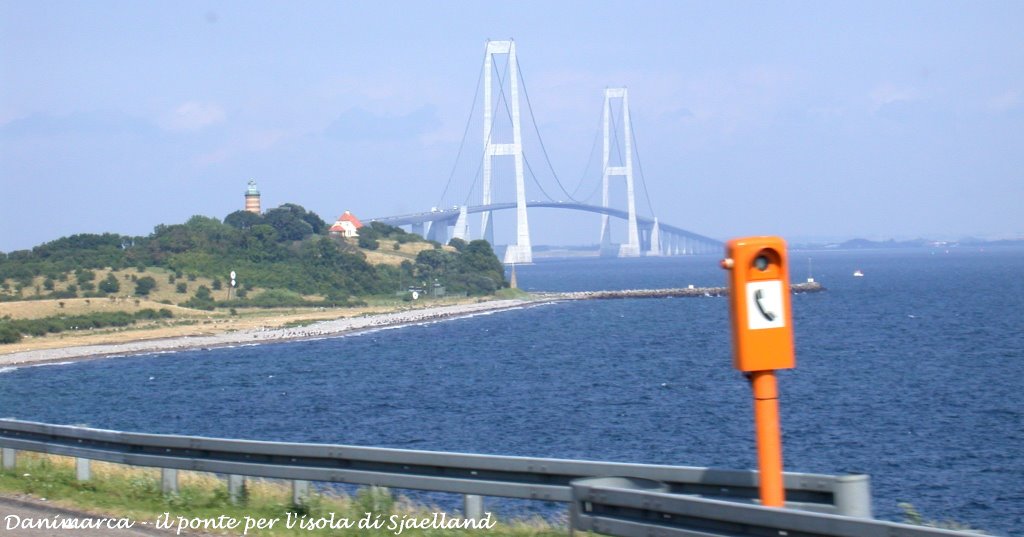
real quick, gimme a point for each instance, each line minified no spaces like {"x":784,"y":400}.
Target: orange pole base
{"x":769,"y":440}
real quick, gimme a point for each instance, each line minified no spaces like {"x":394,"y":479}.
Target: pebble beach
{"x":321,"y":329}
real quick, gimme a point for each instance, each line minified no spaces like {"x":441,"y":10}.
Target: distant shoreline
{"x":341,"y":326}
{"x":321,"y":329}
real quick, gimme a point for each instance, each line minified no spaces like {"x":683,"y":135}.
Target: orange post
{"x":762,"y":326}
{"x":769,"y":440}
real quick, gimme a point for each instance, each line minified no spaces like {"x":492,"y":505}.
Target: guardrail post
{"x":83,"y":469}
{"x":852,"y":495}
{"x":473,"y":506}
{"x":10,"y":458}
{"x":300,"y":491}
{"x":236,"y":488}
{"x":573,"y":514}
{"x":169,"y":480}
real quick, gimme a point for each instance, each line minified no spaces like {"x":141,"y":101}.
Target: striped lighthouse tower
{"x":252,"y":198}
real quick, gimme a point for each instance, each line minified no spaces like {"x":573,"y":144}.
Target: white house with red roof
{"x":346,"y":226}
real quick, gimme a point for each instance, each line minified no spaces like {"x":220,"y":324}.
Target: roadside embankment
{"x":43,"y":491}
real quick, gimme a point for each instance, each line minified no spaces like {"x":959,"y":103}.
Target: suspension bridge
{"x":645,"y":235}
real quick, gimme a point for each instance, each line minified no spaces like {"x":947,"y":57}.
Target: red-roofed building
{"x":346,"y":226}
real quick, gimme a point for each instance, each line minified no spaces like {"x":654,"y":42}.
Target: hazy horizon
{"x":811,"y":121}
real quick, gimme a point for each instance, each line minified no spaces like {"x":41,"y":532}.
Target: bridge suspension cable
{"x":540,"y":139}
{"x":640,"y":167}
{"x":590,"y":160}
{"x":465,"y":133}
{"x":636,"y":151}
{"x":526,"y":160}
{"x":501,"y":76}
{"x":490,"y":132}
{"x":593,"y":192}
{"x":535,"y":181}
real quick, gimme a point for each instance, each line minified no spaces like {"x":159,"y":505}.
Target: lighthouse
{"x":252,"y":198}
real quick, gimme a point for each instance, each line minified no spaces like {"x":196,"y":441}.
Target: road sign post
{"x":762,"y":328}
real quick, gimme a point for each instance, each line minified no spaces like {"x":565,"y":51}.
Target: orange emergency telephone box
{"x":762,"y":332}
{"x":759,"y":301}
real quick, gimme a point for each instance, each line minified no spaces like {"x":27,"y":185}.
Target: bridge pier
{"x":654,"y":240}
{"x":461,"y":230}
{"x":438,"y":231}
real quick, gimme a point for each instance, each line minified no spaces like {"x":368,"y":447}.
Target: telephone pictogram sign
{"x":764,"y":305}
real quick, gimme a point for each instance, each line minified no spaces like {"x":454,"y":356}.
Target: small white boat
{"x":858,"y":274}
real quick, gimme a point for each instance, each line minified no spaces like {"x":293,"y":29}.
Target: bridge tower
{"x":521,"y":251}
{"x":632,"y":246}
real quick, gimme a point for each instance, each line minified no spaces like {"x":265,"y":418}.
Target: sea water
{"x":913,"y":373}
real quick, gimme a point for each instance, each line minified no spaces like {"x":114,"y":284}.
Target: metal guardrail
{"x":642,"y":508}
{"x":642,"y":500}
{"x":483,"y":475}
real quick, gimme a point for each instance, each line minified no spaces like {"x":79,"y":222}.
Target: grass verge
{"x":124,"y":491}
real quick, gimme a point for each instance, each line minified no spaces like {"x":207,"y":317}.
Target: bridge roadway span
{"x":450,"y":216}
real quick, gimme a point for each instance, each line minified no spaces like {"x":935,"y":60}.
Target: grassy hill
{"x":283,"y":258}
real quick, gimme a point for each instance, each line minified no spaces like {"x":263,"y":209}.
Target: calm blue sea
{"x":913,"y":374}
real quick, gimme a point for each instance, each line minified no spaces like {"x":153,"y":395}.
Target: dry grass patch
{"x":36,"y":309}
{"x":387,"y":255}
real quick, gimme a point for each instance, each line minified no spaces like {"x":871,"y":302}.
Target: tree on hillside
{"x":380,"y":230}
{"x":368,"y":242}
{"x":288,"y":223}
{"x":8,"y":334}
{"x":84,"y":275}
{"x":475,"y":270}
{"x":202,"y":300}
{"x":260,"y":243}
{"x":144,"y":285}
{"x":84,"y":250}
{"x":432,"y":264}
{"x":458,"y":244}
{"x":479,"y":257}
{"x":110,"y":284}
{"x":309,"y":217}
{"x":243,"y":219}
{"x":170,"y":240}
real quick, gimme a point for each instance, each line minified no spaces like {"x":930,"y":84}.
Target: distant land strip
{"x":807,"y":287}
{"x":342,"y":326}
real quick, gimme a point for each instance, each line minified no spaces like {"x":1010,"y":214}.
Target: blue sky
{"x":805,"y":119}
